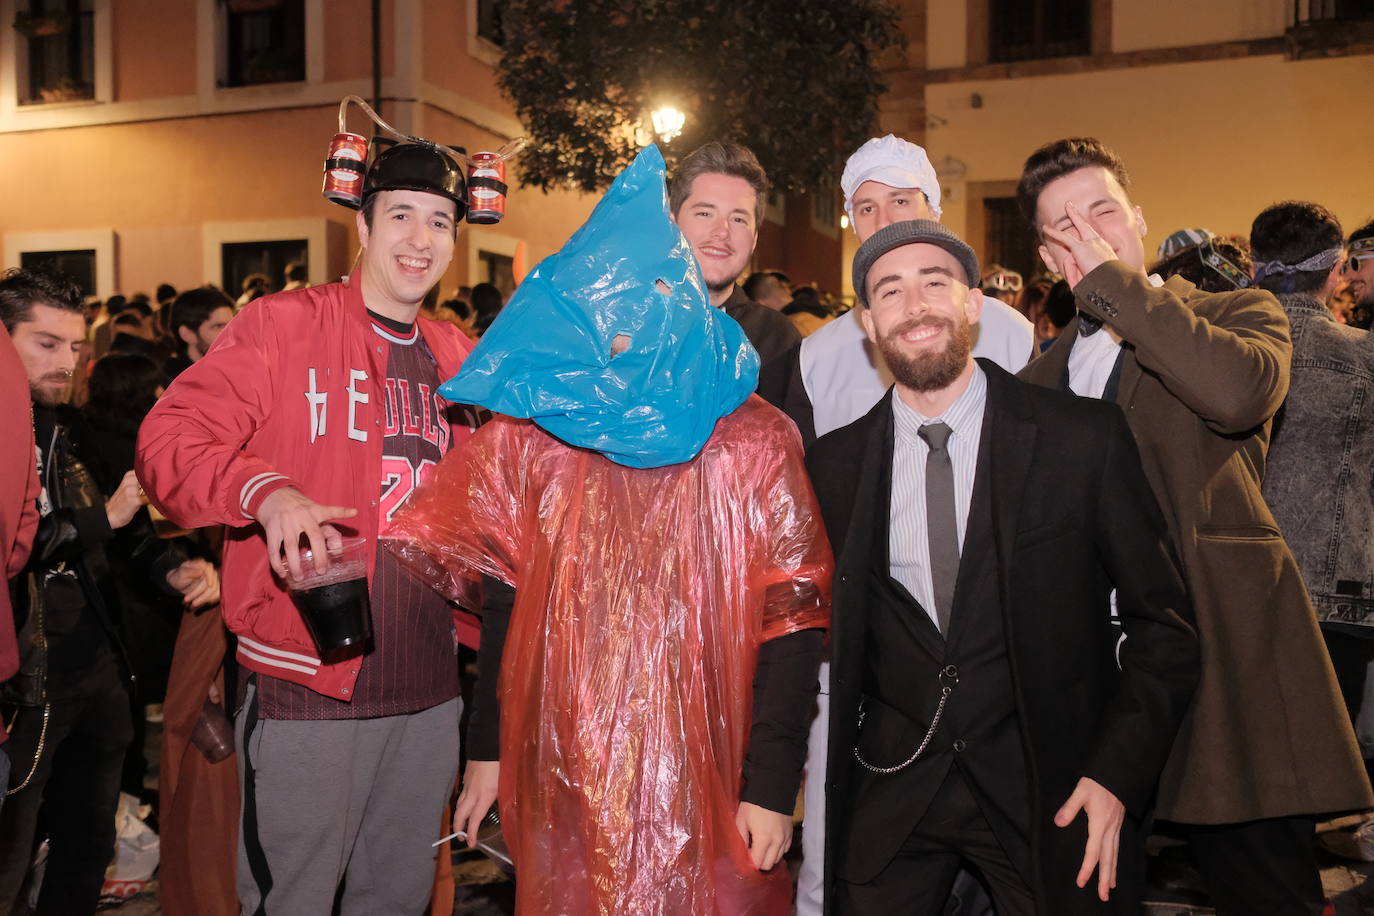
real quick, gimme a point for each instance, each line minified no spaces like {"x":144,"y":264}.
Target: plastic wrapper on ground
{"x":135,"y":853}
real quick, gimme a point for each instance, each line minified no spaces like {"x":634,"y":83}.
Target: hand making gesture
{"x":1085,"y":248}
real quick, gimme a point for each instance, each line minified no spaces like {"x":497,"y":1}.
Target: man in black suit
{"x":1011,"y":646}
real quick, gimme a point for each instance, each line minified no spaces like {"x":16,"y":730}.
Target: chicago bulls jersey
{"x":411,"y":663}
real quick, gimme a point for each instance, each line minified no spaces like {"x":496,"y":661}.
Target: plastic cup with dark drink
{"x":334,"y":603}
{"x":214,"y":733}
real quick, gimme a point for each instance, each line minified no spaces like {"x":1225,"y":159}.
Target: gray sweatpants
{"x":355,"y":800}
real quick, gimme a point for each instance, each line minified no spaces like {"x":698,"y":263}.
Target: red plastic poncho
{"x":642,"y":596}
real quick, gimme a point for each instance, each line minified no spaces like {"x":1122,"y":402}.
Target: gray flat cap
{"x":910,"y":232}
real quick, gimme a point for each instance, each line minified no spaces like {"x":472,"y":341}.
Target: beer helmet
{"x":355,"y":168}
{"x":416,"y":167}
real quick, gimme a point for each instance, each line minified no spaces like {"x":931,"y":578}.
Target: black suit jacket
{"x":1072,"y":518}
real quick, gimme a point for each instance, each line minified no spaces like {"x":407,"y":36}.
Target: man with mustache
{"x":67,"y":709}
{"x":837,"y":375}
{"x":981,"y":712}
{"x":1359,"y":270}
{"x":716,"y":198}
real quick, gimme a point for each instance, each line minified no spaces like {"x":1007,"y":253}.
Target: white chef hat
{"x":894,"y":162}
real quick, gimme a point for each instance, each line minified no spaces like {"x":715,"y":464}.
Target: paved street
{"x":484,"y":890}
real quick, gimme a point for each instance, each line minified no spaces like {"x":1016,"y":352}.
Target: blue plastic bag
{"x":626,"y":278}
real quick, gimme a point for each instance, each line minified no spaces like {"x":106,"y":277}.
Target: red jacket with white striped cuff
{"x":293,"y":393}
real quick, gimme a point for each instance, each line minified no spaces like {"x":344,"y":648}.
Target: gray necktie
{"x":941,"y":522}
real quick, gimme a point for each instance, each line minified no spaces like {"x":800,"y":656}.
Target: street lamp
{"x":668,"y":122}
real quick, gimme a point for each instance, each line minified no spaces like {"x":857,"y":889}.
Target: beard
{"x":928,"y":371}
{"x":725,"y":280}
{"x":720,"y":284}
{"x":43,"y":395}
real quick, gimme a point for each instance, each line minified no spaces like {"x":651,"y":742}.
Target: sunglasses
{"x":1003,"y":282}
{"x":1352,"y":263}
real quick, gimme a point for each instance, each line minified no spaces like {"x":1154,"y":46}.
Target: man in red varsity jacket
{"x":312,"y":417}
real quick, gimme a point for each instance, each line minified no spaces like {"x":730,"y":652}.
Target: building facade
{"x":182,"y":141}
{"x":194,"y":145}
{"x":1218,"y":109}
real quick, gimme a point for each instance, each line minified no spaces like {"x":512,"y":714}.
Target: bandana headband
{"x":1322,"y":260}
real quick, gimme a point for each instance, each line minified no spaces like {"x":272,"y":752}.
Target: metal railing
{"x":1305,"y":11}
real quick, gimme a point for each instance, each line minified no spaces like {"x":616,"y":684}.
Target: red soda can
{"x":486,"y":188}
{"x":344,"y":169}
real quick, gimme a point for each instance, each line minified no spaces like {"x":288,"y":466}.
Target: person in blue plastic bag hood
{"x":647,"y":543}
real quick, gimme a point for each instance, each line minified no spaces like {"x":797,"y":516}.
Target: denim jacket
{"x":1320,"y":481}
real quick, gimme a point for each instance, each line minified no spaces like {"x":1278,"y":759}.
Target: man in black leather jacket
{"x":68,"y":709}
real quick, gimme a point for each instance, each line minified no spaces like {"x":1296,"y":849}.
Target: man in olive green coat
{"x":1267,"y":745}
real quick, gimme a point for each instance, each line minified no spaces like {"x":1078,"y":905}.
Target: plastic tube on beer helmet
{"x":343,"y":176}
{"x":508,"y":151}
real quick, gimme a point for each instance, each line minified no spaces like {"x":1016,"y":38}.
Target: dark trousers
{"x":1260,"y":868}
{"x":952,"y":833}
{"x":76,"y":786}
{"x":1351,"y":651}
{"x":1350,"y":657}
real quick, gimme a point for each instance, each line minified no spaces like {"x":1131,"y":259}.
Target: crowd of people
{"x":997,"y":575}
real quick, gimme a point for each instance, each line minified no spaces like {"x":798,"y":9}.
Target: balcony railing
{"x":1330,"y":28}
{"x":1305,"y":11}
